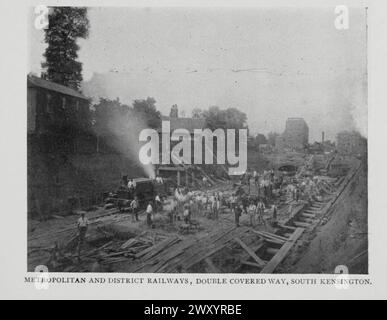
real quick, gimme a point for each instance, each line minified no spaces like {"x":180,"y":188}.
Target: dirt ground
{"x":43,"y":235}
{"x":342,"y":240}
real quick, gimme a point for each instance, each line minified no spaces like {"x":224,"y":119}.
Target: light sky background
{"x":269,"y":63}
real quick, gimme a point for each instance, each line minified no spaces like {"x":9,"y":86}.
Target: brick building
{"x":51,"y":106}
{"x":295,"y":137}
{"x":351,"y":142}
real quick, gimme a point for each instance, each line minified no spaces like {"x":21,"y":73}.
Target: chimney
{"x":322,"y":137}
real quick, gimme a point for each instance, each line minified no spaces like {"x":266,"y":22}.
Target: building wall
{"x":50,"y":110}
{"x":351,"y":143}
{"x":55,"y":179}
{"x":295,"y":136}
{"x":31,"y":109}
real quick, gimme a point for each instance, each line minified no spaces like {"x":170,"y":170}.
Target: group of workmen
{"x":254,"y":207}
{"x":271,"y":186}
{"x":186,"y":204}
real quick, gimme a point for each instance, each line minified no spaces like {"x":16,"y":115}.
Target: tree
{"x":260,"y":139}
{"x":174,"y":111}
{"x":146,"y":110}
{"x":272,"y":137}
{"x":118,"y":125}
{"x":110,"y":116}
{"x":197,"y":113}
{"x":230,"y":118}
{"x":65,"y":26}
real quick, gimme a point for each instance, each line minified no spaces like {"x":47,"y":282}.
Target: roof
{"x":185,"y":123}
{"x":33,"y":81}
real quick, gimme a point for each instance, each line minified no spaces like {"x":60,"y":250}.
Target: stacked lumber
{"x":180,"y":256}
{"x":282,"y":252}
{"x":115,"y":251}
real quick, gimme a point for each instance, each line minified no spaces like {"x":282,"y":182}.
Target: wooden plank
{"x":308,"y":215}
{"x":269,"y":236}
{"x":272,"y":251}
{"x":301,"y":224}
{"x":281,"y":254}
{"x":276,"y":236}
{"x":157,"y":247}
{"x":309,"y":211}
{"x":274,"y":241}
{"x":187,"y":250}
{"x":251,"y":264}
{"x":208,"y":246}
{"x":249,"y":251}
{"x":211,"y":265}
{"x":287,"y":227}
{"x":129,"y":243}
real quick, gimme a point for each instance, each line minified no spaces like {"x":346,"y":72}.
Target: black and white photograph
{"x":197,"y":140}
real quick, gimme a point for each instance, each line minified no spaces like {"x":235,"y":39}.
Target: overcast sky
{"x":269,"y":63}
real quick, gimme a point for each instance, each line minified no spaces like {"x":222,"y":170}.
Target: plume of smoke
{"x":125,"y":129}
{"x":360,"y":119}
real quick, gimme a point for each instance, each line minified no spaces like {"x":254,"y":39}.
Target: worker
{"x":245,"y":203}
{"x":204,"y":204}
{"x":298,"y":193}
{"x":82,"y":226}
{"x":186,"y":214}
{"x":149,"y":213}
{"x":260,"y":211}
{"x":248,"y":178}
{"x":252,"y":210}
{"x":256,"y":178}
{"x":177,"y":193}
{"x":205,"y":182}
{"x":237,"y":213}
{"x":133,"y":209}
{"x":216,"y":206}
{"x":199,"y":203}
{"x":158,"y":203}
{"x":232,"y":201}
{"x":274,"y":209}
{"x":172,"y":211}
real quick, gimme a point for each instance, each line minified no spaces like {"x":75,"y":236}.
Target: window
{"x":49,"y":108}
{"x":63,"y":103}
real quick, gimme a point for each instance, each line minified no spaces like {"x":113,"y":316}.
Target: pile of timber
{"x":282,"y":252}
{"x":176,"y":255}
{"x":114,"y":251}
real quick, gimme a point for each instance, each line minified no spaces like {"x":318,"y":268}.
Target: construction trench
{"x":116,"y":243}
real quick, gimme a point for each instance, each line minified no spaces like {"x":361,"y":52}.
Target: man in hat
{"x":149,"y":213}
{"x":82,"y":225}
{"x":133,"y":209}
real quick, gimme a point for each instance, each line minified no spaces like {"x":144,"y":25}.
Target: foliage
{"x":111,"y":117}
{"x":230,"y":118}
{"x":174,"y":111}
{"x":197,"y":113}
{"x":66,"y":25}
{"x":260,"y":139}
{"x":146,"y":110}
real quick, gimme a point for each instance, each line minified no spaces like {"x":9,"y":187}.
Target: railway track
{"x":306,"y":218}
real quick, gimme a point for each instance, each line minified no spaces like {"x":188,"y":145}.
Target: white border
{"x":13,"y":235}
